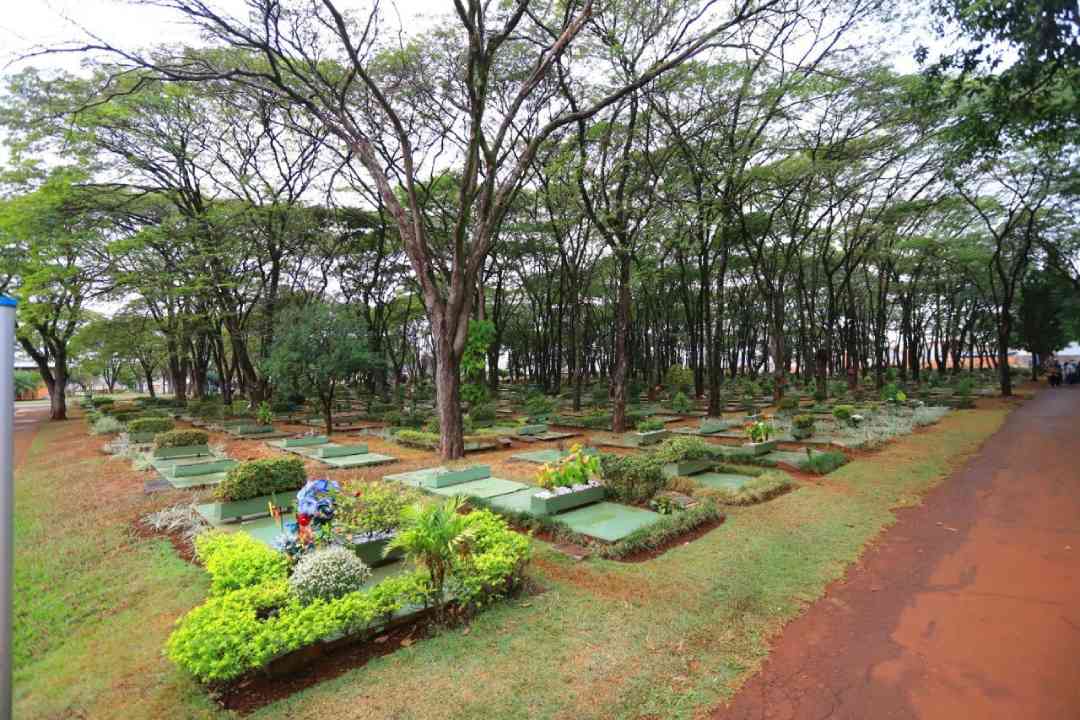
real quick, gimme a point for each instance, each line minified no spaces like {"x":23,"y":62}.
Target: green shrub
{"x":261,"y":477}
{"x":494,"y":564}
{"x":106,"y":425}
{"x":417,"y":438}
{"x":649,"y":425}
{"x":372,"y":508}
{"x":180,"y":438}
{"x":823,"y":463}
{"x":843,"y":413}
{"x":680,"y":449}
{"x":819,"y":396}
{"x":680,"y":403}
{"x":538,"y":406}
{"x":760,"y":432}
{"x":328,"y":573}
{"x":392,"y":418}
{"x":789,"y":402}
{"x":237,"y":560}
{"x":577,"y":468}
{"x":151,"y":425}
{"x":803,"y":422}
{"x":679,"y":379}
{"x":632,"y":479}
{"x":599,"y":394}
{"x":101,"y":402}
{"x":484,"y":413}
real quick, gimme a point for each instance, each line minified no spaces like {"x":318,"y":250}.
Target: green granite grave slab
{"x":339,"y":451}
{"x":486,"y":488}
{"x":437,"y":477}
{"x":203,"y":468}
{"x":540,"y":457}
{"x":722,"y":481}
{"x":173,"y":453}
{"x":608,"y":521}
{"x":304,"y":441}
{"x":532,"y":429}
{"x":361,"y":460}
{"x":518,"y":502}
{"x":194,"y":481}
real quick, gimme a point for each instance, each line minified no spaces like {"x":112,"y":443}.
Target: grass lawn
{"x":669,"y":637}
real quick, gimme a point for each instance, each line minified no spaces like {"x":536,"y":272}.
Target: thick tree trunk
{"x":1004,"y":331}
{"x":622,"y":329}
{"x":448,"y":401}
{"x":328,"y":412}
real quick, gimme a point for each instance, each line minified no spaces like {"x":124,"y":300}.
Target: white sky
{"x":26,"y":24}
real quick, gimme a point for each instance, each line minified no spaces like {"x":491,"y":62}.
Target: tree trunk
{"x":448,"y":400}
{"x":328,"y":412}
{"x":1004,"y":331}
{"x":622,"y":329}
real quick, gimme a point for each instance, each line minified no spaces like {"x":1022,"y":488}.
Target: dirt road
{"x":968,"y":608}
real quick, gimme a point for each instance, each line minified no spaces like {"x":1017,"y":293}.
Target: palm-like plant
{"x":430,"y":536}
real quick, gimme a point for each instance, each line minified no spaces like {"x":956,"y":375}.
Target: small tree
{"x":317,"y":347}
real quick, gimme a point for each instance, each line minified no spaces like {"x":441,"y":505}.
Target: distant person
{"x":1055,"y":374}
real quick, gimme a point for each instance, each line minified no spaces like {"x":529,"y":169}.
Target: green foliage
{"x":480,"y":336}
{"x":151,"y":425}
{"x":261,"y":477}
{"x":789,"y":402}
{"x":803,"y":422}
{"x":576,"y":468}
{"x":484,"y":413}
{"x":236,"y":560}
{"x":430,"y":536}
{"x":106,"y":426}
{"x":372,"y":508}
{"x":843,"y":413}
{"x":316,"y":348}
{"x":823,"y":463}
{"x":26,"y":381}
{"x":417,"y":438}
{"x":649,"y":425}
{"x":679,"y":379}
{"x":682,"y":448}
{"x":599,"y":394}
{"x":474,"y":393}
{"x":666,"y":529}
{"x":632,"y":479}
{"x":328,"y":573}
{"x":264,"y":414}
{"x":538,"y":407}
{"x":760,"y":431}
{"x":493,"y":562}
{"x":180,"y":438}
{"x":101,"y":401}
{"x":680,"y":403}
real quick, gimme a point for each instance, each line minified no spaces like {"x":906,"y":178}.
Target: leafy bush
{"x":577,"y":468}
{"x":538,"y":406}
{"x":679,"y":449}
{"x":632,"y":479}
{"x":843,"y":413}
{"x":494,"y":562}
{"x":803,"y":422}
{"x":789,"y":402}
{"x":417,"y":438}
{"x":101,"y":402}
{"x":822,"y":463}
{"x":264,"y":414}
{"x":237,"y":560}
{"x":679,"y":379}
{"x":819,"y":396}
{"x":392,"y":418}
{"x":373,"y":508}
{"x":649,"y":425}
{"x":484,"y":413}
{"x":180,"y":438}
{"x":106,"y":425}
{"x":760,"y":432}
{"x":261,"y":477}
{"x":206,"y":409}
{"x":599,"y":394}
{"x":151,"y":425}
{"x":328,"y":573}
{"x":680,"y":403}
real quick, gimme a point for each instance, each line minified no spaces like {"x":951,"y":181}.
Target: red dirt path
{"x":969,"y":607}
{"x":27,"y":417}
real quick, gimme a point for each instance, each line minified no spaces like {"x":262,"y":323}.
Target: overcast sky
{"x":27,"y":24}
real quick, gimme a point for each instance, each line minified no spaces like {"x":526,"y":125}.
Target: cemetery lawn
{"x":669,"y":637}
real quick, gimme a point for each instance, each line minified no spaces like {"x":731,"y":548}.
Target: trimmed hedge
{"x":180,"y":438}
{"x":261,"y":477}
{"x":151,"y":425}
